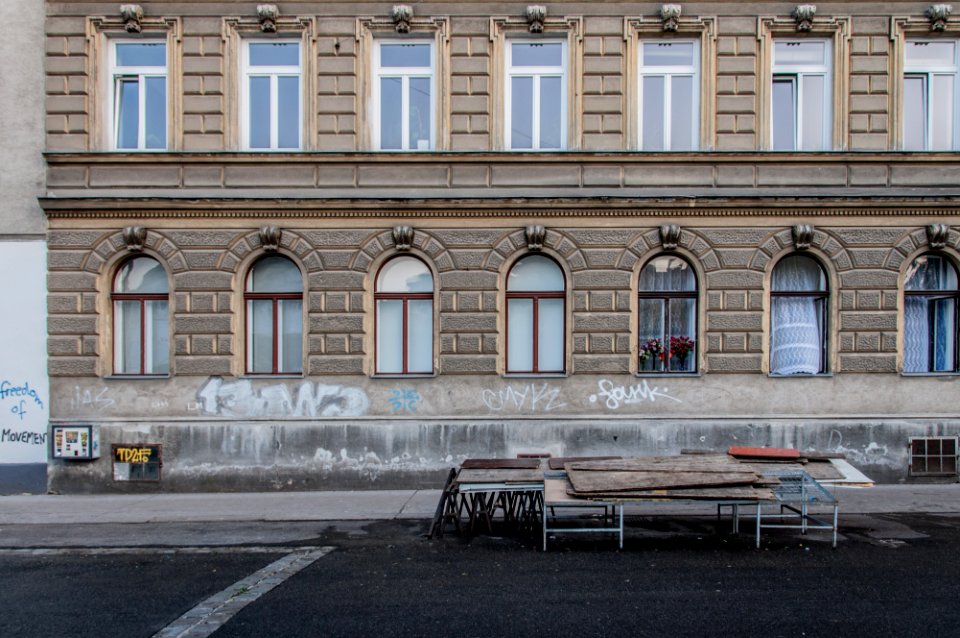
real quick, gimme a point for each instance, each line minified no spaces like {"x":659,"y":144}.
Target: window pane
{"x":550,"y":335}
{"x":941,"y":111}
{"x":795,"y":335}
{"x":420,"y":337}
{"x":651,"y":336}
{"x":404,"y":55}
{"x":127,"y":339}
{"x":288,"y":111}
{"x":813,"y":113}
{"x":682,"y":345}
{"x":128,"y":112}
{"x":157,"y":339}
{"x":551,"y":107}
{"x":668,"y":54}
{"x":683,"y":126}
{"x":405,"y":274}
{"x":419,"y":124}
{"x":260,"y":335}
{"x":142,"y":275}
{"x":291,"y":334}
{"x":519,"y":335}
{"x":156,"y":112}
{"x":390,"y":335}
{"x":931,"y":272}
{"x":654,"y":99}
{"x":274,"y":54}
{"x":537,"y":54}
{"x":535,"y":273}
{"x":916,"y":334}
{"x":798,"y":273}
{"x":914,"y":113}
{"x":797,"y":53}
{"x":668,"y":274}
{"x":141,"y":54}
{"x":391,"y":113}
{"x":521,"y":112}
{"x":929,"y":54}
{"x":275,"y":274}
{"x":943,"y":312}
{"x":784,"y":113}
{"x":259,"y":112}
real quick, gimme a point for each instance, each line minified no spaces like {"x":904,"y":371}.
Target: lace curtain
{"x":796,"y":328}
{"x":928,"y":322}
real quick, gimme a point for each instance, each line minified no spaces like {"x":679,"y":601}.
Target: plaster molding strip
{"x":214,"y":612}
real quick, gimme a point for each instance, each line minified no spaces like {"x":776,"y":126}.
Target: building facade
{"x":321,"y":245}
{"x":24,"y":395}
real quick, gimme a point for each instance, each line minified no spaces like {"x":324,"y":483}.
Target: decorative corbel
{"x":134,"y":237}
{"x":268,"y":14}
{"x":670,"y":236}
{"x":670,"y":14}
{"x":270,"y":238}
{"x":535,"y":235}
{"x":403,"y":237}
{"x":402,"y":14}
{"x":803,"y":14}
{"x":802,"y":236}
{"x":535,"y":15}
{"x":937,"y":235}
{"x":132,"y":14}
{"x":938,"y":14}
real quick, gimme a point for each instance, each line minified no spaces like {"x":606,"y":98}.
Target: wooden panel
{"x":499,"y":476}
{"x":720,"y":463}
{"x":593,"y":481}
{"x":558,"y":463}
{"x":697,"y":494}
{"x":764,"y":452}
{"x":500,"y":464}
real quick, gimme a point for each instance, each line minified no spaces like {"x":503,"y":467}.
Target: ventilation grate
{"x":933,"y":456}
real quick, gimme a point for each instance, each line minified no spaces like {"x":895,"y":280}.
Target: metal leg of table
{"x":836,"y":509}
{"x":759,"y":518}
{"x":621,"y":524}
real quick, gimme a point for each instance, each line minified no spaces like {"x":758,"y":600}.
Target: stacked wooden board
{"x":695,"y":477}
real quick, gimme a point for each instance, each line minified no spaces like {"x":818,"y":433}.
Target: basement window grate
{"x":933,"y":456}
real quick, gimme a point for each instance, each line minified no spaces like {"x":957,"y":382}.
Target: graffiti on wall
{"x":21,"y":405}
{"x":616,"y":396}
{"x":404,"y":400}
{"x":98,"y":399}
{"x":241,"y":399}
{"x":526,"y":398}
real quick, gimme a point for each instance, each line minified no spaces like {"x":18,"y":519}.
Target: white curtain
{"x":795,"y":346}
{"x":916,"y":335}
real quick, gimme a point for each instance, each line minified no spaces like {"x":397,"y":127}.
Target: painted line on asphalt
{"x":214,"y":612}
{"x":151,"y":551}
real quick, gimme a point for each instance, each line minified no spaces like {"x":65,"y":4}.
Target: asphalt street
{"x":892,"y":575}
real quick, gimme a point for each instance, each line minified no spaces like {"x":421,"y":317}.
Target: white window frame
{"x":926,"y":71}
{"x":273,"y":72}
{"x":668,"y":73}
{"x":116,"y":72}
{"x":798,"y":72}
{"x":537,"y":72}
{"x":405,"y":74}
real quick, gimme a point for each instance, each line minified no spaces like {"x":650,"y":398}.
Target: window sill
{"x":821,"y":375}
{"x":135,"y":377}
{"x":271,"y":376}
{"x":944,"y":375}
{"x":534,"y":375}
{"x":668,"y":375}
{"x":415,"y":375}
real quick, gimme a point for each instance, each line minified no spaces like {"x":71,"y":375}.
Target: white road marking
{"x":153,"y":551}
{"x":214,"y":612}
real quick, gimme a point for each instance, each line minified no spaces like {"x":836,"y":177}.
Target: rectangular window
{"x":669,"y":96}
{"x":536,"y":95}
{"x":404,"y":96}
{"x":271,"y":95}
{"x":138,"y":76}
{"x":930,"y":95}
{"x":801,"y":96}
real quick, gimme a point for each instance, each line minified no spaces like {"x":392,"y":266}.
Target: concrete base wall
{"x":392,"y":454}
{"x":23,"y":478}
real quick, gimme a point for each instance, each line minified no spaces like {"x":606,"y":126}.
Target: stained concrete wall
{"x":22,"y":250}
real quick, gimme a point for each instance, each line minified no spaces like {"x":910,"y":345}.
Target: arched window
{"x":931,"y":301}
{"x":798,"y":321}
{"x":668,"y":316}
{"x":404,"y":300}
{"x":141,"y":334}
{"x":536,"y":311}
{"x":274,"y":301}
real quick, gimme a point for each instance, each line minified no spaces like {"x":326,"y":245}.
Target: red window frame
{"x":536,"y":296}
{"x":276,"y":298}
{"x":665,"y":296}
{"x":142,"y":298}
{"x":405,"y":297}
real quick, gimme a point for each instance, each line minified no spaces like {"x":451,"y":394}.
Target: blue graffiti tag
{"x":405,"y":400}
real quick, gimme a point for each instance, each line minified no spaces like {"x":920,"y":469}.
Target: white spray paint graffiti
{"x":871,"y":454}
{"x":96,"y":399}
{"x":616,"y":396}
{"x":240,"y":399}
{"x":527,"y":398}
